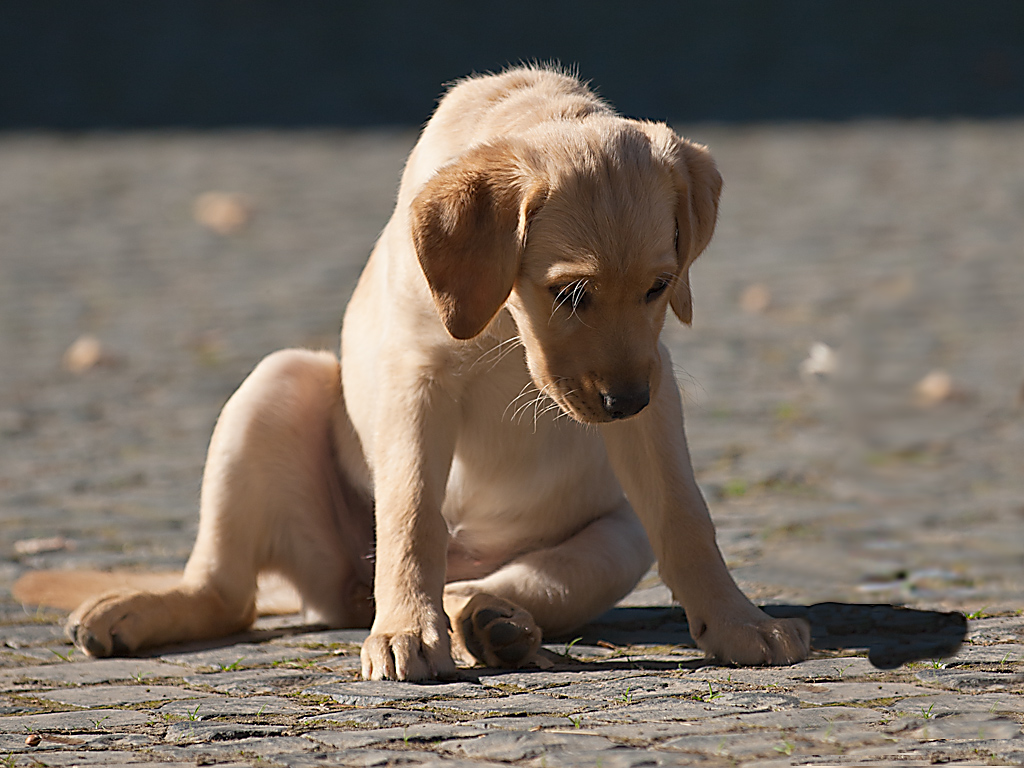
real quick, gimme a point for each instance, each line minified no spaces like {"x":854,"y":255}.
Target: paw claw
{"x":91,"y":644}
{"x":758,"y":641}
{"x":414,"y":655}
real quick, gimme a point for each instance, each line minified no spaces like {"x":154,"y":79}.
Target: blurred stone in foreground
{"x":821,"y":361}
{"x":934,"y":388}
{"x":755,"y":299}
{"x":222,"y":212}
{"x":83,"y":354}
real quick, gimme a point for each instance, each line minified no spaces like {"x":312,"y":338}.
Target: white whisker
{"x":524,"y":392}
{"x":499,"y":350}
{"x":521,"y":410}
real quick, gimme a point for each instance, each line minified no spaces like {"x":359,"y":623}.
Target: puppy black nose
{"x":620,"y":405}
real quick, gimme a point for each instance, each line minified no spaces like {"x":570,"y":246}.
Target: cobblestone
{"x":899,"y":246}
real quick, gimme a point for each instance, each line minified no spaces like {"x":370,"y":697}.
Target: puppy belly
{"x":464,"y":564}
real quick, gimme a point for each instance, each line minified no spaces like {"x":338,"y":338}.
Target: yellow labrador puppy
{"x":504,"y":433}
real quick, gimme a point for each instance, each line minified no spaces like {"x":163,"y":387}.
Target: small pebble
{"x":934,"y":388}
{"x":50,"y":544}
{"x":821,"y":361}
{"x":83,"y":354}
{"x":755,"y":299}
{"x":222,"y":212}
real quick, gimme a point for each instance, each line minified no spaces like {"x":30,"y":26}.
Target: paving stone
{"x":807,"y":671}
{"x":117,"y":695}
{"x":740,"y":745}
{"x":23,"y":636}
{"x":427,"y":733}
{"x":1008,"y":751}
{"x":362,"y":758}
{"x":988,"y":654}
{"x":88,"y":671}
{"x":331,"y":638}
{"x":512,"y":746}
{"x":619,"y":758}
{"x":38,"y":655}
{"x":373,"y":693}
{"x":250,"y":750}
{"x":521,"y":722}
{"x":20,"y":710}
{"x":843,"y":736}
{"x":628,"y":689}
{"x":190,"y":732}
{"x":672,"y":709}
{"x":240,"y":656}
{"x":970,"y":680}
{"x":84,"y":721}
{"x":995,"y":630}
{"x":516,"y":704}
{"x":228,"y":706}
{"x":244,"y":682}
{"x":109,"y":758}
{"x":52,"y":743}
{"x":376,"y":717}
{"x":806,"y":717}
{"x":532,"y":681}
{"x":841,"y":693}
{"x":972,"y":726}
{"x":947,"y":703}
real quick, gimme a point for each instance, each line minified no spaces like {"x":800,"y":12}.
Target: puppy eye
{"x":656,"y":290}
{"x":573,"y":295}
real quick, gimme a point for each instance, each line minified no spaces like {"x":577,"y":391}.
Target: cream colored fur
{"x":503,"y":404}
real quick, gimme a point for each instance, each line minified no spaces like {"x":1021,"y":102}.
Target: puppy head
{"x":586,"y":235}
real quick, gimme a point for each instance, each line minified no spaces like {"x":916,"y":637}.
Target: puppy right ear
{"x":469,"y":228}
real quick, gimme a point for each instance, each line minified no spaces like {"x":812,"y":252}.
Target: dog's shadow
{"x":892,"y":635}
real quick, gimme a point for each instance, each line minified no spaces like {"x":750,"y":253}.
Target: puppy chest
{"x":510,"y":489}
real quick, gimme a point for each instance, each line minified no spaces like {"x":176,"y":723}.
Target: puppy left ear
{"x":698,"y":187}
{"x":469,"y":228}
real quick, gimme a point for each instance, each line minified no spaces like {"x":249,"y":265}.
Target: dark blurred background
{"x":125,"y":64}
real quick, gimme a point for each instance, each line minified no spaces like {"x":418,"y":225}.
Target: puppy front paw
{"x":753,"y":640}
{"x":496,"y":632}
{"x":412,"y":653}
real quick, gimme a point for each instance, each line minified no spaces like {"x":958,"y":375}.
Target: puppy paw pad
{"x":499,"y":633}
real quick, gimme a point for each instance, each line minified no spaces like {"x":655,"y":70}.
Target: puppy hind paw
{"x":498,"y":633}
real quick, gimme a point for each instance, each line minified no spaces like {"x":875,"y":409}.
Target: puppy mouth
{"x":596,"y":407}
{"x":578,"y":408}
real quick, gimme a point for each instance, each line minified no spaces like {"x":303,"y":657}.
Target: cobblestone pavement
{"x":883,"y":467}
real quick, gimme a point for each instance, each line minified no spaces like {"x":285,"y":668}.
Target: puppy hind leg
{"x":500,"y":619}
{"x":263,"y":478}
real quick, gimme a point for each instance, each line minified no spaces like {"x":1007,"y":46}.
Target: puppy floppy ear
{"x":698,"y":187}
{"x":469,"y":228}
